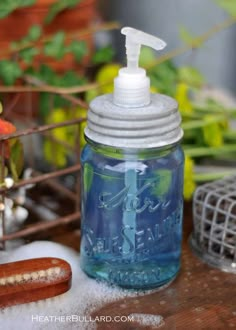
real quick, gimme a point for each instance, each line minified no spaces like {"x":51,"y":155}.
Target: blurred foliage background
{"x":209,"y":138}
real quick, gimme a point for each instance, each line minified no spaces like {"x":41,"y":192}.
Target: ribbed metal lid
{"x":152,"y":126}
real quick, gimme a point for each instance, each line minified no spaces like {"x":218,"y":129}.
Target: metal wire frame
{"x":40,"y":177}
{"x":214,"y":215}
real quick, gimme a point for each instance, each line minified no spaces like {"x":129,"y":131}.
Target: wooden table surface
{"x":201,"y":297}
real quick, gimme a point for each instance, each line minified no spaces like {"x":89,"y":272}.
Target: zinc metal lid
{"x":154,"y":125}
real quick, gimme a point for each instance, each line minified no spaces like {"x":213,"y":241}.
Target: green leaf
{"x":147,"y":55}
{"x":188,"y":38}
{"x":59,"y":6}
{"x":9,"y":71}
{"x":8,"y":6}
{"x":34,"y":32}
{"x":162,"y":186}
{"x":228,"y":5}
{"x":24,"y":42}
{"x":164,"y":77}
{"x":71,"y":78}
{"x":191,"y":76}
{"x":16,"y":159}
{"x":28,"y":54}
{"x":14,"y":45}
{"x":47,"y":75}
{"x":185,"y":35}
{"x":44,"y":102}
{"x":55,"y":47}
{"x":91,"y":94}
{"x":87,"y":177}
{"x":55,"y":153}
{"x":79,"y":49}
{"x":103,"y":55}
{"x":212,"y":132}
{"x":23,"y":3}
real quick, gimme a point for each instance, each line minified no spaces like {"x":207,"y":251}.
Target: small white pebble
{"x":20,"y":200}
{"x":9,"y":182}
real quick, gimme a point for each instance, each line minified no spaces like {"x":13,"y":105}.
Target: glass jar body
{"x":131,"y":217}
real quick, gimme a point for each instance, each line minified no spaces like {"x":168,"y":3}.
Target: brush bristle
{"x":24,"y":281}
{"x":34,"y":276}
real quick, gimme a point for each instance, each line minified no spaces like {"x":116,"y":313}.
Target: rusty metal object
{"x":50,"y":178}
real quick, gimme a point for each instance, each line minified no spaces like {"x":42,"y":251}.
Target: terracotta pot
{"x":16,"y":25}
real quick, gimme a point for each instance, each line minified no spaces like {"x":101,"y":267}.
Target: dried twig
{"x":42,"y":226}
{"x":39,"y":129}
{"x":49,"y":89}
{"x":39,"y":83}
{"x":196,"y":42}
{"x":43,"y":177}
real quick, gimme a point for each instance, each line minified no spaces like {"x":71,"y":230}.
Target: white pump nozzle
{"x":134,"y":40}
{"x":132,"y":86}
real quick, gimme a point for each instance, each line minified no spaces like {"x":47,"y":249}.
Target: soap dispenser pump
{"x":132,"y":86}
{"x":132,"y":180}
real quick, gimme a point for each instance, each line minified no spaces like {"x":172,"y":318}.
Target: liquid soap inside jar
{"x":132,"y":216}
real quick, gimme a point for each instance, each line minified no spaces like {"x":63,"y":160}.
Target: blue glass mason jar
{"x":132,"y":208}
{"x":132,"y":179}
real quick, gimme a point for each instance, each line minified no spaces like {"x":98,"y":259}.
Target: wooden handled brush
{"x":34,"y":279}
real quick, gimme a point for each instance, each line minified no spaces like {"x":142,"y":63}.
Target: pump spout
{"x":134,"y":40}
{"x":132,"y":86}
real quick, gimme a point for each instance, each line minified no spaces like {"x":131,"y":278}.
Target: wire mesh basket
{"x":214,"y":217}
{"x":48,"y":197}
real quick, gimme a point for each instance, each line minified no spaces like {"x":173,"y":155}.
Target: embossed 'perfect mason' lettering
{"x":122,"y":276}
{"x":132,"y":202}
{"x":147,"y":241}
